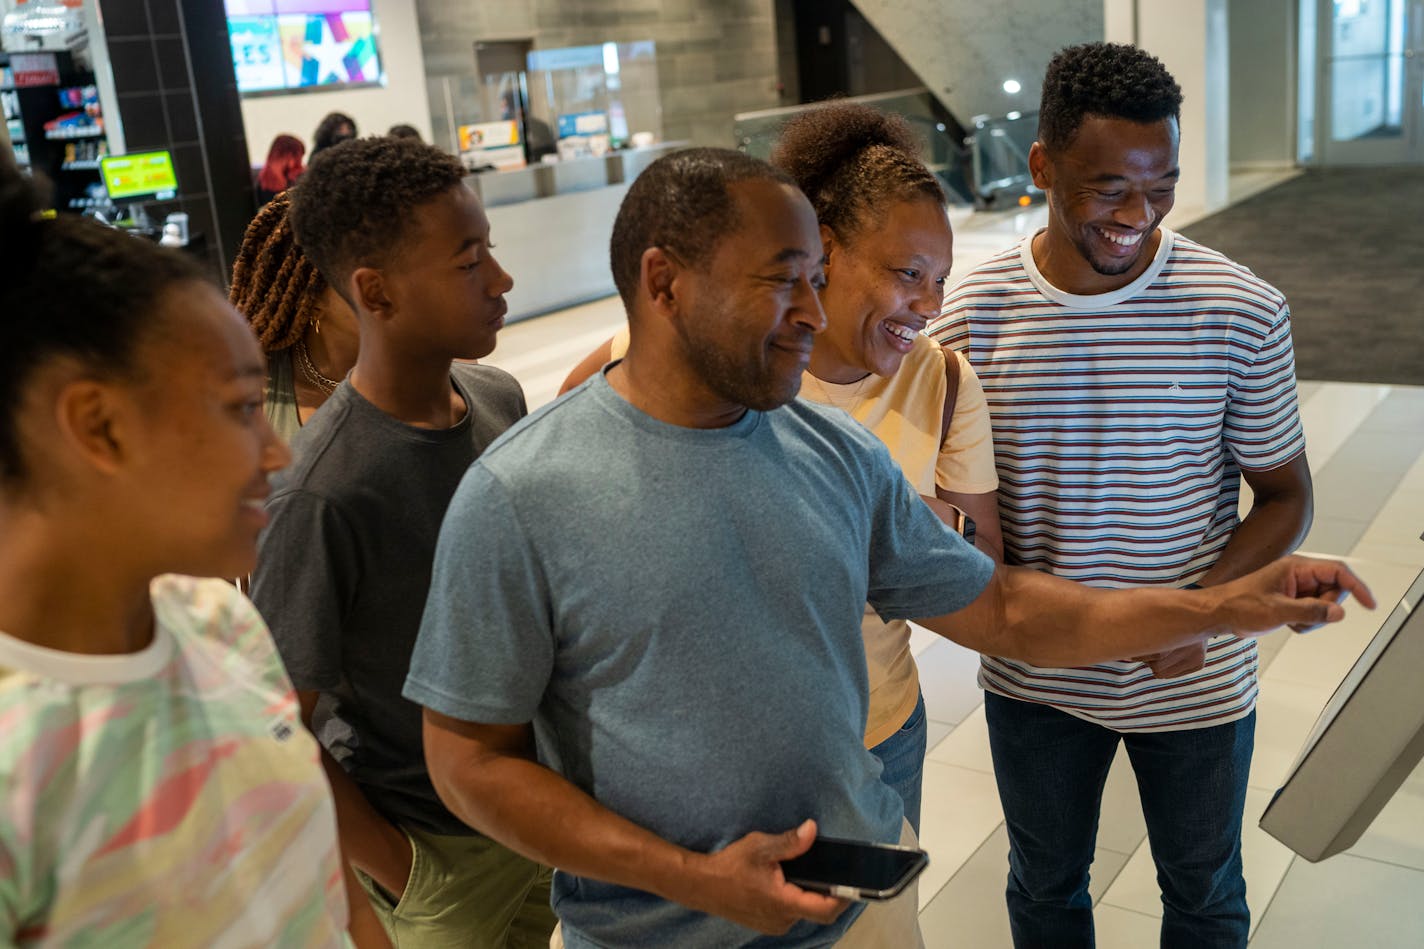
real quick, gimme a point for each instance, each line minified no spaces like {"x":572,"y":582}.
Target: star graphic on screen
{"x":328,"y":55}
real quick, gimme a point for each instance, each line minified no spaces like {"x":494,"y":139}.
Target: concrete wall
{"x":715,"y":57}
{"x":1190,"y":38}
{"x":964,"y":50}
{"x":375,"y":109}
{"x":1263,"y":86}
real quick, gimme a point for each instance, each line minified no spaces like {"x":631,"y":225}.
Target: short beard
{"x":735,"y":381}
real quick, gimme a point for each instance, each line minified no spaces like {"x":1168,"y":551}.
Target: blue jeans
{"x":1051,"y":767}
{"x":902,"y":758}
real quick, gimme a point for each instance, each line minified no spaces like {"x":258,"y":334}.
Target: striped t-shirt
{"x":1122,"y":422}
{"x":168,"y":797}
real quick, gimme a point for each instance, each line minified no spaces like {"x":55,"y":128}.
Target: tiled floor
{"x":1366,"y":449}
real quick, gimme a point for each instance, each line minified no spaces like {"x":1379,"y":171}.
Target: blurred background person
{"x":282,"y":168}
{"x":335,"y":128}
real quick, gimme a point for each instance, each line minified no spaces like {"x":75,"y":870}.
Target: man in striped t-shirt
{"x":1134,"y":377}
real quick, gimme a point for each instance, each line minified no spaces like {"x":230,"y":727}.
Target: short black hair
{"x":852,"y":162}
{"x":1105,"y":79}
{"x":71,"y":288}
{"x":401,"y":130}
{"x":356,"y":204}
{"x":681,"y":203}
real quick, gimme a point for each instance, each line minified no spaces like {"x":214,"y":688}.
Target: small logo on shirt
{"x":1175,"y":387}
{"x":280,"y":729}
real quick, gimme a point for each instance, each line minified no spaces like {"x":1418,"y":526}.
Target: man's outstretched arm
{"x":1047,"y":621}
{"x":487,"y":776}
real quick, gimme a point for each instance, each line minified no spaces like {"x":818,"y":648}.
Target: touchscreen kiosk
{"x":1367,"y":741}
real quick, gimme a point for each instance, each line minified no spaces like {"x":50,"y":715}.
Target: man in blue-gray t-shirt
{"x":657,"y":583}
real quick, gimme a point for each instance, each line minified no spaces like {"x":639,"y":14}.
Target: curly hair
{"x":682,"y":204}
{"x":1105,"y":79}
{"x":852,"y":162}
{"x":274,"y":284}
{"x":71,"y":288}
{"x":356,"y":205}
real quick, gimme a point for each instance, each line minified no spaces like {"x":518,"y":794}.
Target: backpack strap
{"x":951,"y":390}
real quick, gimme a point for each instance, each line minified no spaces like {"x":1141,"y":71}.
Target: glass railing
{"x":998,"y":150}
{"x":941,"y":137}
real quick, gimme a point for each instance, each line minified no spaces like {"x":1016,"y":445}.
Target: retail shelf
{"x":77,"y":133}
{"x":92,"y":165}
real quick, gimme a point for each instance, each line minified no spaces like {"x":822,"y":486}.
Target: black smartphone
{"x":855,"y":870}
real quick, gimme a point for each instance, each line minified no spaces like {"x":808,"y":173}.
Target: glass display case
{"x":596,"y":98}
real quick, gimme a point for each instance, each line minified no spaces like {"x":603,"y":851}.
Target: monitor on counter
{"x":1367,"y":741}
{"x":142,"y":176}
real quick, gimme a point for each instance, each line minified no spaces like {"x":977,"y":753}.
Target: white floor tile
{"x":1264,"y":860}
{"x":1285,"y":713}
{"x":1400,"y":520}
{"x":949,"y":679}
{"x":1333,"y":536}
{"x":1413,"y":479}
{"x":1406,"y":555}
{"x":1342,"y":902}
{"x":960,"y":811}
{"x":968,"y":745}
{"x":1121,"y":827}
{"x":921,"y":639}
{"x":969,"y":910}
{"x":1397,"y":834}
{"x":1322,"y":658}
{"x":1333,"y":414}
{"x":1264,"y":863}
{"x":1123,"y":929}
{"x":1270,"y":645}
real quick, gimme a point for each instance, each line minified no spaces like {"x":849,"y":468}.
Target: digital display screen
{"x":281,"y":45}
{"x":141,"y":175}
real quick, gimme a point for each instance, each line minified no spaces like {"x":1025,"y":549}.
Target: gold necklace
{"x":310,"y":371}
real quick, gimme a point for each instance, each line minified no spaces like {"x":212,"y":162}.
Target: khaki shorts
{"x":887,"y":924}
{"x":465,"y":893}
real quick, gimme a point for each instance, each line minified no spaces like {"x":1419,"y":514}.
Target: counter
{"x":551,"y":224}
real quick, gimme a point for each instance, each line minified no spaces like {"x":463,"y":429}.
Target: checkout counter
{"x":551,"y":224}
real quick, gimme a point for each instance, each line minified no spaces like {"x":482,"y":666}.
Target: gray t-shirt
{"x":344,"y":567}
{"x":678,"y":612}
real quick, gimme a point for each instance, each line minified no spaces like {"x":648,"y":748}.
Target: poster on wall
{"x":286,"y":45}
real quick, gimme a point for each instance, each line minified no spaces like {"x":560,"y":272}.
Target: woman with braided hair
{"x":307,"y":331}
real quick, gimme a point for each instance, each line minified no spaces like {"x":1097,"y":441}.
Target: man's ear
{"x":97,"y":422}
{"x":370,"y":292}
{"x":658,"y":274}
{"x":1039,"y":166}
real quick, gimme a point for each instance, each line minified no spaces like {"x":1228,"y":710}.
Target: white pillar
{"x":1190,"y":38}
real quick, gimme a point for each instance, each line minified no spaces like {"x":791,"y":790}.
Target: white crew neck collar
{"x":79,"y":669}
{"x":1096,"y":301}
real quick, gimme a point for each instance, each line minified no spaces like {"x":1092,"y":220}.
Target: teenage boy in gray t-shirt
{"x":345,"y":563}
{"x":656,"y":584}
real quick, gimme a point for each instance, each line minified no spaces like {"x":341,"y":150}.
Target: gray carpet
{"x":1346,"y":247}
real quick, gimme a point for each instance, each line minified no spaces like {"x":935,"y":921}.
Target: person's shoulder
{"x":992,"y":283}
{"x":1194,"y":263}
{"x":211,"y":617}
{"x":926,"y":357}
{"x":546,"y":438}
{"x":207,"y":608}
{"x":488,"y":383}
{"x":830,"y":430}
